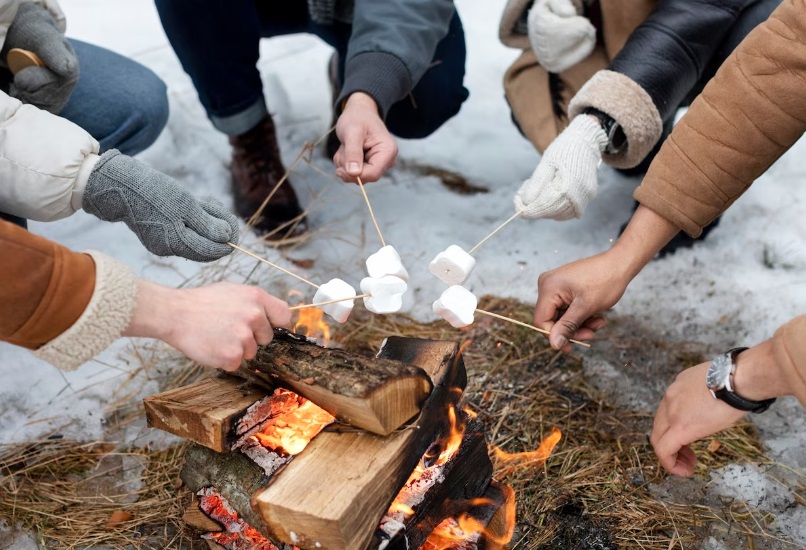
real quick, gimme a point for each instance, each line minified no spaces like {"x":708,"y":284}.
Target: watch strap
{"x":729,"y":396}
{"x":615,"y":137}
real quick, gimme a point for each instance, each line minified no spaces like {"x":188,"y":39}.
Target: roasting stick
{"x":540,"y":330}
{"x":371,"y":213}
{"x":497,"y":229}
{"x":267,"y":262}
{"x":306,"y":306}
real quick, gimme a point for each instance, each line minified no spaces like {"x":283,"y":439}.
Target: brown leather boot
{"x":256,"y":169}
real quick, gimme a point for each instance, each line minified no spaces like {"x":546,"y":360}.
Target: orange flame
{"x":530,"y":458}
{"x":290,"y":429}
{"x":496,"y":534}
{"x":311,"y":322}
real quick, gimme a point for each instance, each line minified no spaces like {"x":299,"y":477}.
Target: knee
{"x":148,"y":114}
{"x":418,"y":119}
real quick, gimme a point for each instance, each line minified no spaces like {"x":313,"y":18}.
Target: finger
{"x":352,"y":139}
{"x":377,"y":164}
{"x":567,"y":326}
{"x":249,"y":347}
{"x":276,"y":310}
{"x":344,"y":176}
{"x":597,"y":322}
{"x":58,"y":56}
{"x":668,"y":449}
{"x":263,"y":331}
{"x":661,"y":423}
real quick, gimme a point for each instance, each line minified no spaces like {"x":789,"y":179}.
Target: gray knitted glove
{"x":47,"y":87}
{"x":167,"y":219}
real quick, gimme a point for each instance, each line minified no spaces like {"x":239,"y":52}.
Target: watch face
{"x":718,"y":372}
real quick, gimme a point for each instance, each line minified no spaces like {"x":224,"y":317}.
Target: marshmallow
{"x":387,"y":293}
{"x":457,"y":306}
{"x":452,"y":266}
{"x":335,"y":289}
{"x":386,"y":261}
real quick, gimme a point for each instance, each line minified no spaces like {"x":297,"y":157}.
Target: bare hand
{"x":571,"y":298}
{"x":218,"y":325}
{"x":367,"y":148}
{"x":687,"y":413}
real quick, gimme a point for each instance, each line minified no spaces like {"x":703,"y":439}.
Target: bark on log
{"x":334,"y":493}
{"x":465,"y":476}
{"x":375,"y":394}
{"x":204,"y":412}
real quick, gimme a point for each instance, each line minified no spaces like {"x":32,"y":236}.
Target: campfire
{"x":288,"y":467}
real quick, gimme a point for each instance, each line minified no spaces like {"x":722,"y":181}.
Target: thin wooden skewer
{"x":540,"y":330}
{"x":306,"y":306}
{"x":275,"y":266}
{"x":371,"y":213}
{"x":499,"y":228}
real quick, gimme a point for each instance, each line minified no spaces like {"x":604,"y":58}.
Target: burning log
{"x":334,"y":493}
{"x":434,"y":494}
{"x":375,"y":394}
{"x":205,"y":412}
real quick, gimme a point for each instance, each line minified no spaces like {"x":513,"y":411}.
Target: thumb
{"x":568,"y":325}
{"x":353,"y":144}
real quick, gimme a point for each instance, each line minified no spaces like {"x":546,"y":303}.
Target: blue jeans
{"x":119,"y":102}
{"x":217,"y":43}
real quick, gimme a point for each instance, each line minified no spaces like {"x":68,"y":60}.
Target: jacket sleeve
{"x":391,"y":46}
{"x":659,"y":65}
{"x":8,"y":10}
{"x":751,"y":112}
{"x":67,"y":306}
{"x":789,"y":348}
{"x":45,"y":161}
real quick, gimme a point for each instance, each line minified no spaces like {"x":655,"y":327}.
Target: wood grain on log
{"x":375,"y":394}
{"x":334,"y":493}
{"x":204,"y":412}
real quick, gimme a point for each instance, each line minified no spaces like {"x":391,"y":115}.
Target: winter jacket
{"x":45,"y":160}
{"x":752,"y":112}
{"x":392,"y":45}
{"x":66,"y":306}
{"x":650,"y":57}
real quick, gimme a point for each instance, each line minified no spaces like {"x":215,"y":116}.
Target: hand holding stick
{"x":540,"y":330}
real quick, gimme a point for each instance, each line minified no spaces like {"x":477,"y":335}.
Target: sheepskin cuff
{"x":107,"y":315}
{"x":512,"y":30}
{"x":630,"y":105}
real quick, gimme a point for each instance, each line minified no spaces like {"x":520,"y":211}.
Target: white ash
{"x":263,"y":457}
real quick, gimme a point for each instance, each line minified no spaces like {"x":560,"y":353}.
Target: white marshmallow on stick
{"x":453,"y":265}
{"x":387,"y":293}
{"x":457,"y":305}
{"x":336,"y":289}
{"x":386,"y":261}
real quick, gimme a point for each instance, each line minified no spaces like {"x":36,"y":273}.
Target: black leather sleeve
{"x":668,"y":53}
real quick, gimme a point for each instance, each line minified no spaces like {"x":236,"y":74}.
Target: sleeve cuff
{"x":630,"y":105}
{"x":381,"y":75}
{"x":107,"y":315}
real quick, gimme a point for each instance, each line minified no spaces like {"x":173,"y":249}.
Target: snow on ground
{"x":735,"y":288}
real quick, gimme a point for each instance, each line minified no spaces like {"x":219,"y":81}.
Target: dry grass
{"x":594,"y":492}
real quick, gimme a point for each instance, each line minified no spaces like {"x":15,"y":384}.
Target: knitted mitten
{"x":565,"y":180}
{"x":560,"y":37}
{"x":167,"y":219}
{"x":48,"y":87}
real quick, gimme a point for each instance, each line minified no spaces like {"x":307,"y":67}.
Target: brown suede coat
{"x":527,"y":86}
{"x":44,"y":287}
{"x":751,"y":112}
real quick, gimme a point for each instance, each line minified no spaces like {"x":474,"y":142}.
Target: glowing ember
{"x":311,"y":322}
{"x":531,"y":458}
{"x":293,"y":424}
{"x":238,"y":535}
{"x":467,"y":529}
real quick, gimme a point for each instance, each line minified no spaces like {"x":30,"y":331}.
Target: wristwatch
{"x":719,"y":378}
{"x":616,"y":138}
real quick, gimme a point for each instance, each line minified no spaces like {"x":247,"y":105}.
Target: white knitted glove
{"x":565,"y":180}
{"x":560,"y":37}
